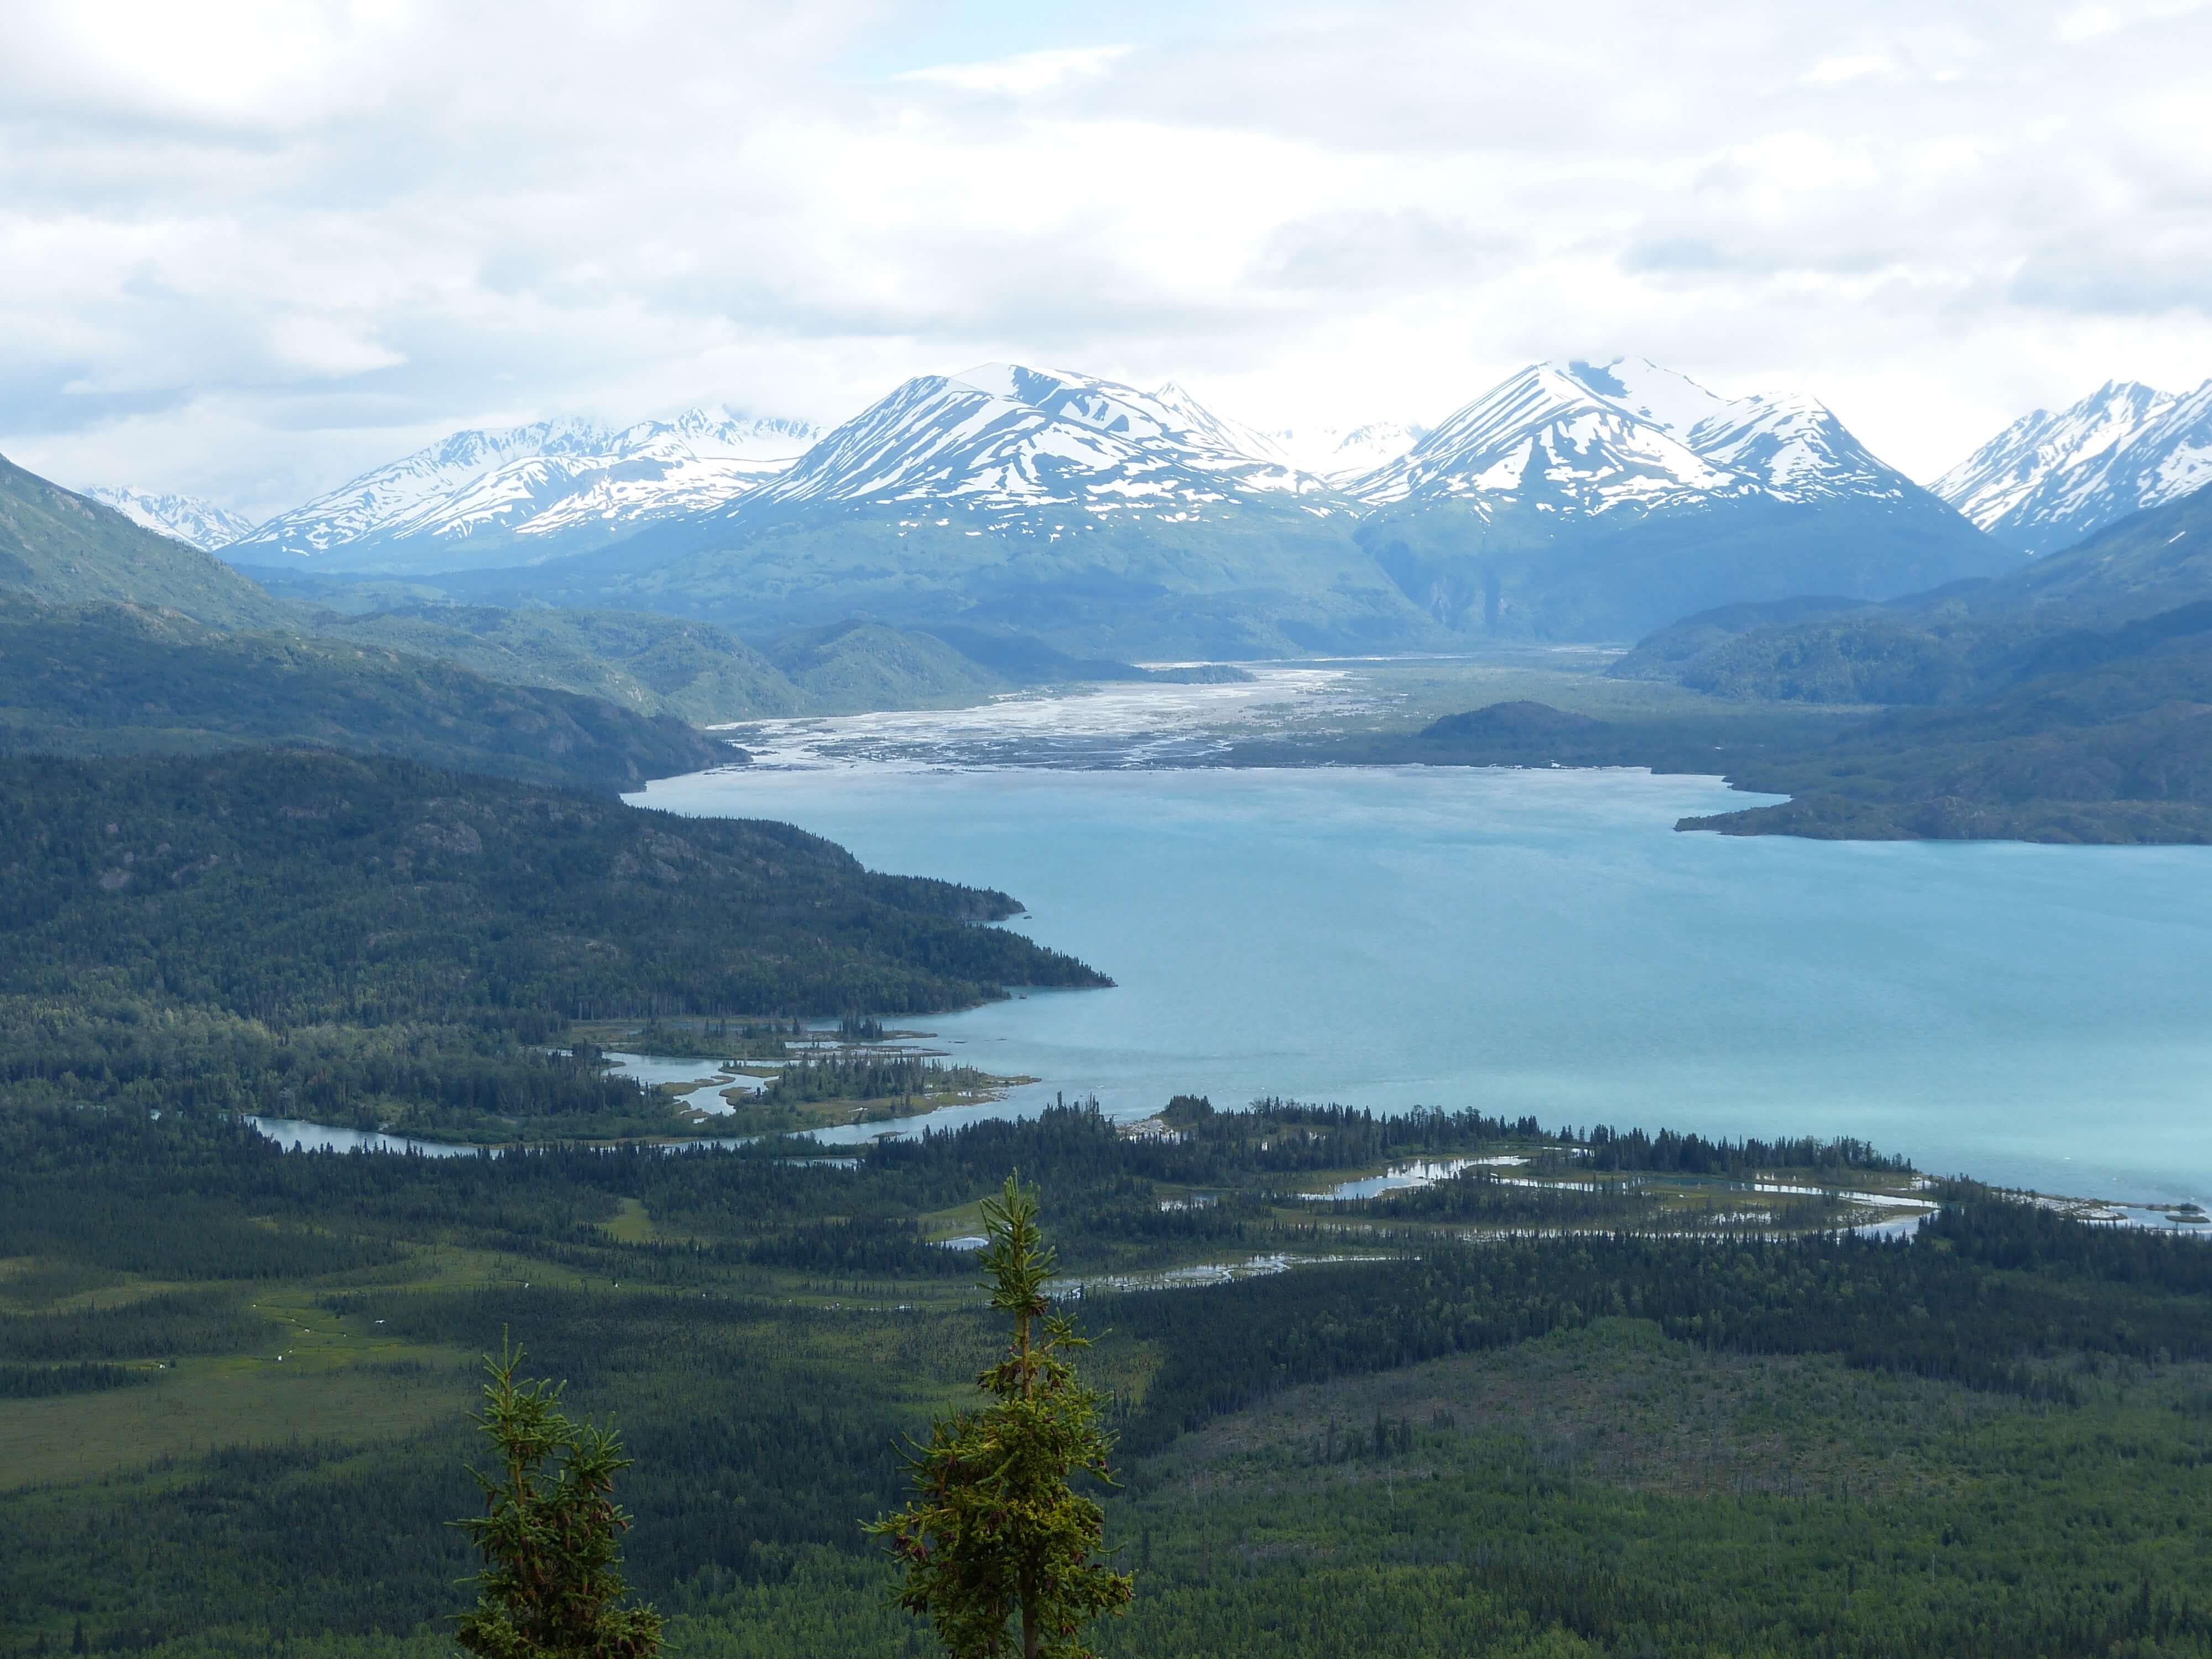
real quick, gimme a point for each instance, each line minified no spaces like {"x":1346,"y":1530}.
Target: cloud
{"x":1022,"y":76}
{"x":249,"y":250}
{"x":1364,"y":250}
{"x":1836,"y":72}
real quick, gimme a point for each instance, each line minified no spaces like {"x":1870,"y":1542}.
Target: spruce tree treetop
{"x":549,"y":1537}
{"x":997,"y":1546}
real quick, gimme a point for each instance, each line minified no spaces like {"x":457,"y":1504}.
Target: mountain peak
{"x":1014,"y":444}
{"x":520,"y":495}
{"x":1576,"y":436}
{"x":191,"y":519}
{"x":1673,"y":403}
{"x":1546,"y":438}
{"x":1019,"y":382}
{"x":2053,"y":477}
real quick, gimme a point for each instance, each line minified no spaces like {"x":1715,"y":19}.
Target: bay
{"x":1543,"y":943}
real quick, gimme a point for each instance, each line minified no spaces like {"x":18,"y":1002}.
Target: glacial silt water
{"x":1543,"y":942}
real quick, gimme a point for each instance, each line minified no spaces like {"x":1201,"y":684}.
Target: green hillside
{"x":1956,"y":644}
{"x":855,"y":665}
{"x":114,"y":679}
{"x":1260,"y":583}
{"x":2117,"y":751}
{"x":650,"y":664}
{"x":65,"y":549}
{"x":340,"y":887}
{"x":1526,"y":574}
{"x":366,"y":941}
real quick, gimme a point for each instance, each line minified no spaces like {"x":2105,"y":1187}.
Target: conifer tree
{"x":548,"y":1536}
{"x":997,"y":1545}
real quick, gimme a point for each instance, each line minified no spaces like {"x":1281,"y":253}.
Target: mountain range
{"x":1582,"y":501}
{"x":1572,"y":499}
{"x":2048,"y":480}
{"x":1079,"y":510}
{"x":526,"y":494}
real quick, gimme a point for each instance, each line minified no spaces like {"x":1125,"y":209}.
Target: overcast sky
{"x":248,"y":250}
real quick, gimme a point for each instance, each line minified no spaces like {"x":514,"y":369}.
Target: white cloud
{"x":249,"y":250}
{"x":2088,"y":22}
{"x":1836,"y":72}
{"x":1027,"y":74}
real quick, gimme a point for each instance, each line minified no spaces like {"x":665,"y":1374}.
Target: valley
{"x":1396,"y":1432}
{"x":981,"y":831}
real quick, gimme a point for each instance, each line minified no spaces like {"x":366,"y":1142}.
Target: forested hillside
{"x":653,"y":664}
{"x":696,"y":670}
{"x":2066,"y":702}
{"x":368,"y":940}
{"x":121,"y":679}
{"x":64,"y":549}
{"x":2119,"y":594}
{"x":2120,"y":753}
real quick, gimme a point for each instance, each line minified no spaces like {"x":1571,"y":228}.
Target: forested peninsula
{"x":368,"y":941}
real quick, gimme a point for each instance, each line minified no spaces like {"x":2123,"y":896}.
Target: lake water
{"x":1542,"y":942}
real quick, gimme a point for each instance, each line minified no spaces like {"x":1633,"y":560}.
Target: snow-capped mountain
{"x":363,"y":508}
{"x":1137,"y":523}
{"x":1582,"y":501}
{"x":1338,"y":453}
{"x":2050,"y":479}
{"x":1579,"y":438}
{"x":1021,"y":445}
{"x":1797,"y":449}
{"x":1544,"y":438}
{"x":188,"y":519}
{"x":532,"y":493}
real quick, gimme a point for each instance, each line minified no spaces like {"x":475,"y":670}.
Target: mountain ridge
{"x":2052,"y":478}
{"x":62,"y":547}
{"x":521,"y":495}
{"x":191,"y":519}
{"x":1582,"y":501}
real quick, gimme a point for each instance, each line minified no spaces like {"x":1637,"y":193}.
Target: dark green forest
{"x":1597,"y":1436}
{"x":2065,"y":702}
{"x":366,"y":941}
{"x":111,"y":679}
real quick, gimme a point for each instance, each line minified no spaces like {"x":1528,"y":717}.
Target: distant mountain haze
{"x":1959,"y":643}
{"x":188,"y":519}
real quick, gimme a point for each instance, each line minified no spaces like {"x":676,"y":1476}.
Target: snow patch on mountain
{"x":1543,"y":438}
{"x":1673,"y":403}
{"x":1580,"y":438}
{"x":1014,"y":443}
{"x":191,"y":519}
{"x":1339,"y":451}
{"x":1795,"y":447}
{"x":2051,"y":478}
{"x":534,"y":492}
{"x":367,"y":506}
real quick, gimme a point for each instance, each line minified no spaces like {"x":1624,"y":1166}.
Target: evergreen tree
{"x":994,"y":1535}
{"x":552,"y":1572}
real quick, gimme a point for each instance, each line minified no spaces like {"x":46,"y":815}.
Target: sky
{"x":248,"y":250}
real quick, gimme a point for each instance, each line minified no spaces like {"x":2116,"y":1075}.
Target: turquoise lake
{"x":1543,"y":942}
